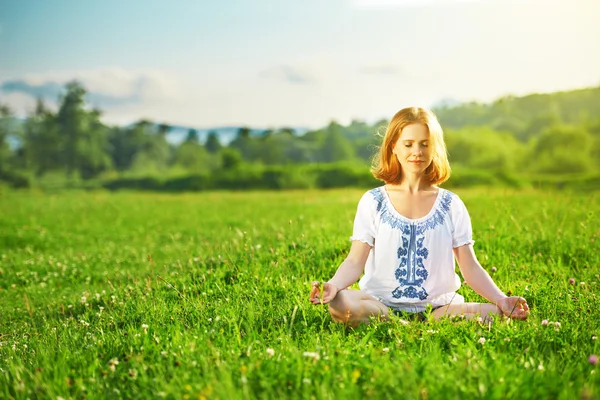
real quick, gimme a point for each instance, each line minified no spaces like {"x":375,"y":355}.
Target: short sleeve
{"x":364,"y":221}
{"x":462,"y":232}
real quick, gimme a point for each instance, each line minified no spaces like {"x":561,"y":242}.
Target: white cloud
{"x":290,"y":74}
{"x":123,"y":95}
{"x":382,"y":69}
{"x":103,"y":83}
{"x":20,"y":104}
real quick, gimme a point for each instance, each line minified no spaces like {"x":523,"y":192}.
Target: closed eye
{"x":409,"y":144}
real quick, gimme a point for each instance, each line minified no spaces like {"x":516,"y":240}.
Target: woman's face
{"x":412,"y":148}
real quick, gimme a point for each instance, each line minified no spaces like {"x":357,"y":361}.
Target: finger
{"x":523,"y":308}
{"x":324,"y":292}
{"x":524,"y":302}
{"x":315,"y":300}
{"x":327,"y":297}
{"x":316,"y":286}
{"x":523,"y":313}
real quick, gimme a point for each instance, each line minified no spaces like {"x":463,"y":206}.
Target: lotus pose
{"x":407,"y":235}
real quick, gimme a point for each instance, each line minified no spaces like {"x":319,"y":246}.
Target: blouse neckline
{"x":411,"y":220}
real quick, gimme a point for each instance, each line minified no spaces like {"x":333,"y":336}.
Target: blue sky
{"x":269,"y":63}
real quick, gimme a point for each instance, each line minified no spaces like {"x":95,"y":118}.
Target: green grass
{"x":219,"y":279}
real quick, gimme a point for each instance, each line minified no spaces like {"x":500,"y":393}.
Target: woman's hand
{"x":329,"y":293}
{"x":514,"y":307}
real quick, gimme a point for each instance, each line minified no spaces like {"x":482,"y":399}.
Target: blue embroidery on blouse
{"x":411,"y":272}
{"x":388,"y":217}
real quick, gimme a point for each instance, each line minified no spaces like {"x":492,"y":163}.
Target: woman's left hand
{"x":514,"y":307}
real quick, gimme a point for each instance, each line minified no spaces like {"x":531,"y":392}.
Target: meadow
{"x":205,"y":296}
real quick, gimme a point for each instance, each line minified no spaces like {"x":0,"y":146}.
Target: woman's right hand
{"x":329,"y":292}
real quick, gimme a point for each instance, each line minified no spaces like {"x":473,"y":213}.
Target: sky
{"x":302,"y":63}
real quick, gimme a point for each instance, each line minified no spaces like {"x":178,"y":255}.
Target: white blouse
{"x":411,"y":263}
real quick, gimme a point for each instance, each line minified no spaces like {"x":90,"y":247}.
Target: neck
{"x":413,"y":183}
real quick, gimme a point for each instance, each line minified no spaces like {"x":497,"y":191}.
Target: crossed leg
{"x":352,"y":307}
{"x":470,"y":311}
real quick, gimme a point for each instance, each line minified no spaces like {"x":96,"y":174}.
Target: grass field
{"x":132,"y":295}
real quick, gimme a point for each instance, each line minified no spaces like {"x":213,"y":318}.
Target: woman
{"x":406,"y":236}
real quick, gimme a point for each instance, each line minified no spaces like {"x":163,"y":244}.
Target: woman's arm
{"x":352,"y":267}
{"x":475,"y":275}
{"x":482,"y":283}
{"x":347,"y":273}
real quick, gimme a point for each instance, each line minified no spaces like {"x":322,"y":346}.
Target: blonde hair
{"x":385,"y":164}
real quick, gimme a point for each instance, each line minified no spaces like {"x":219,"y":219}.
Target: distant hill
{"x":526,"y":115}
{"x":226,"y":134}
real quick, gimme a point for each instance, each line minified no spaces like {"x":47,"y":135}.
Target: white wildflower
{"x":311,"y":354}
{"x":112,"y":364}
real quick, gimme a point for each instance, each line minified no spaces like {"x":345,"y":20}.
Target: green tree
{"x":539,"y":123}
{"x":276,"y":148}
{"x":93,"y":155}
{"x":164,"y":129}
{"x":563,"y":149}
{"x":42,"y":142}
{"x":335,"y":147}
{"x":126,"y":143}
{"x":213,"y":145}
{"x":193,"y":157}
{"x":70,"y":121}
{"x":483,"y":148}
{"x":83,"y":136}
{"x":245,"y":144}
{"x":192,"y":136}
{"x":230,"y":158}
{"x":155,"y":154}
{"x":5,"y":131}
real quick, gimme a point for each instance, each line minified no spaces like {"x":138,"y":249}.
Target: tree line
{"x":507,"y":141}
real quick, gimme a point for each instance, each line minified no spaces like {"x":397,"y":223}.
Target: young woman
{"x":407,"y":235}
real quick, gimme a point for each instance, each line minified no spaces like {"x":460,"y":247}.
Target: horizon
{"x":268,"y":65}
